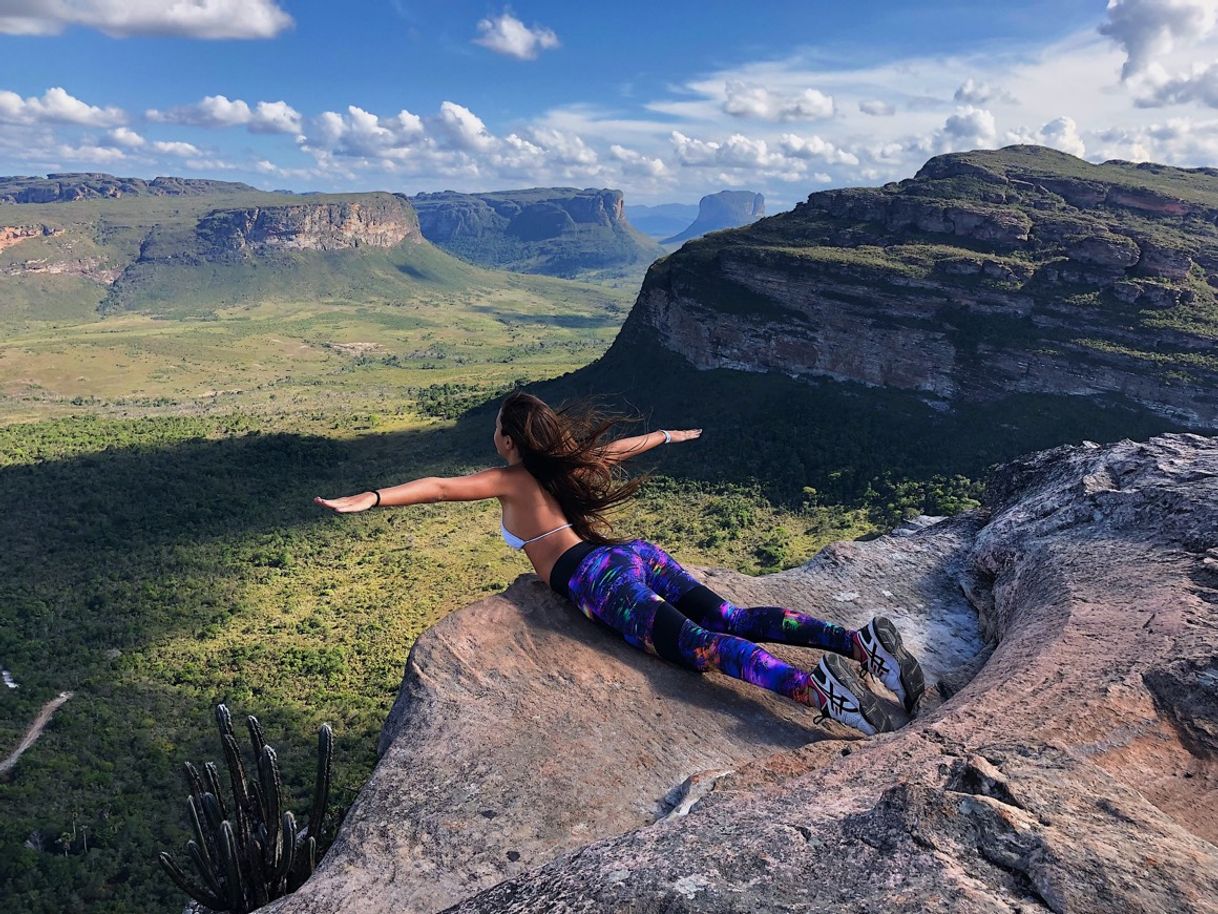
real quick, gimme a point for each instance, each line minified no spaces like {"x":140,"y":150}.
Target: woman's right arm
{"x":490,"y":483}
{"x":625,"y":448}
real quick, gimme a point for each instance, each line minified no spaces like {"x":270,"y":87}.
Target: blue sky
{"x":666,"y":101}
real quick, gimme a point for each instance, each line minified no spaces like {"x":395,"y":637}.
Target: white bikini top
{"x":517,"y":543}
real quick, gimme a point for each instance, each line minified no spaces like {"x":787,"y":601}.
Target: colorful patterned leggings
{"x":642,"y":592}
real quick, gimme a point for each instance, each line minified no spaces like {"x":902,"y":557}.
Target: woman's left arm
{"x":489,"y":483}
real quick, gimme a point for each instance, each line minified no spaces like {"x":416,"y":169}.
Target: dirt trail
{"x":35,"y":730}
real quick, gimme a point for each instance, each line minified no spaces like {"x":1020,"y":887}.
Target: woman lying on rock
{"x":560,"y":479}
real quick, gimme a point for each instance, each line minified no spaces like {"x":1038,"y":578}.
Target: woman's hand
{"x":348,"y":504}
{"x":684,"y":434}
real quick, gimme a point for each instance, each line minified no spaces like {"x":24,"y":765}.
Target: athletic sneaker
{"x":842,"y":697}
{"x":889,"y":662}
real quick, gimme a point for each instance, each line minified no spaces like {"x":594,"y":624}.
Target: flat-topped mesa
{"x":1064,"y":757}
{"x":68,"y":187}
{"x":532,"y":214}
{"x":552,"y":230}
{"x":380,"y":220}
{"x":725,"y":209}
{"x":989,"y":274}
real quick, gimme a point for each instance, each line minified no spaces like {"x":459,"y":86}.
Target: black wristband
{"x":377,"y":493}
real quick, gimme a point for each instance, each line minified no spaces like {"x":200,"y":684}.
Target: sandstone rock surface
{"x":1065,"y":761}
{"x":372,"y":220}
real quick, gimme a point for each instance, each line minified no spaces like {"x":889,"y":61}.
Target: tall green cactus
{"x":253,"y":853}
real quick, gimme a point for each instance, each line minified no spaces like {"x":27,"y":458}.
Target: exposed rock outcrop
{"x":92,"y":268}
{"x":59,"y":263}
{"x":374,"y":220}
{"x":70,"y":186}
{"x":989,"y":273}
{"x":726,"y":209}
{"x":15,"y":234}
{"x":1065,"y":761}
{"x":559,"y":231}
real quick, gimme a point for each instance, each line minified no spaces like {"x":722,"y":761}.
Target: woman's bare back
{"x":528,"y":511}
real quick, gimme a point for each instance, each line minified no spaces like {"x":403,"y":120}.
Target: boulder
{"x":1063,"y":760}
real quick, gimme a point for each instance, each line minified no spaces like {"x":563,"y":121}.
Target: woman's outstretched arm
{"x":625,"y":448}
{"x":484,"y":484}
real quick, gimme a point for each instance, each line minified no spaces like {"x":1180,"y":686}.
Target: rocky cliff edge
{"x":1065,"y":761}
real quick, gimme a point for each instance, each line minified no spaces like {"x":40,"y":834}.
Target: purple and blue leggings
{"x":642,"y":592}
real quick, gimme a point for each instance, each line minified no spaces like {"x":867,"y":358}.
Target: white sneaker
{"x":889,"y":662}
{"x":842,"y":697}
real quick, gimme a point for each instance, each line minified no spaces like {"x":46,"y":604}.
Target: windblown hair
{"x":562,"y":449}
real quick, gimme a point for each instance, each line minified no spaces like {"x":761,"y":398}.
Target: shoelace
{"x":832,"y":700}
{"x":873,"y":659}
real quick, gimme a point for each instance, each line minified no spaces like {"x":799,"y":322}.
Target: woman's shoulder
{"x":519,"y":479}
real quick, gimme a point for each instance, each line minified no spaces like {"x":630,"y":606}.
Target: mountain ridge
{"x":990,"y":272}
{"x":66,"y":187}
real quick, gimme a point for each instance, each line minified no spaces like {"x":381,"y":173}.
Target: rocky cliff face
{"x":559,"y":231}
{"x":71,"y":186}
{"x":1021,"y":270}
{"x":373,"y":220}
{"x":726,"y":209}
{"x":1065,"y":758}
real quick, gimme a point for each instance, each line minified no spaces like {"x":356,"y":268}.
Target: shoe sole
{"x":869,"y":707}
{"x":912,"y":677}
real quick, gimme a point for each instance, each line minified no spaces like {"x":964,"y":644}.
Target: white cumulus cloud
{"x":1060,"y":133}
{"x":1149,"y":29}
{"x":56,"y":106}
{"x":972,"y":92}
{"x":220,"y":111}
{"x":463,"y":129}
{"x":750,"y":100}
{"x":635,"y":162}
{"x":505,"y":34}
{"x":968,"y":128}
{"x":123,"y":18}
{"x":175,"y":148}
{"x":124,"y":137}
{"x":814,"y":147}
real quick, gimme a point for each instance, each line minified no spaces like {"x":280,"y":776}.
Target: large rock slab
{"x":523,"y":730}
{"x":1066,"y":763}
{"x":1074,"y":773}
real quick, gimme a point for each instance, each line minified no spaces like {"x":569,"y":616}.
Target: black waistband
{"x":561,"y":573}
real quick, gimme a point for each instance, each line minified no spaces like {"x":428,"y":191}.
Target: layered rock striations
{"x":559,"y":231}
{"x":366,"y":220}
{"x":72,"y":186}
{"x":726,"y":209}
{"x":989,"y":273}
{"x":1063,"y":760}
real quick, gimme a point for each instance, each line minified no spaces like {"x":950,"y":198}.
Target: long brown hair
{"x":561,"y":448}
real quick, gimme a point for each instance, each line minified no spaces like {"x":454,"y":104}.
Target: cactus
{"x":246,"y":856}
